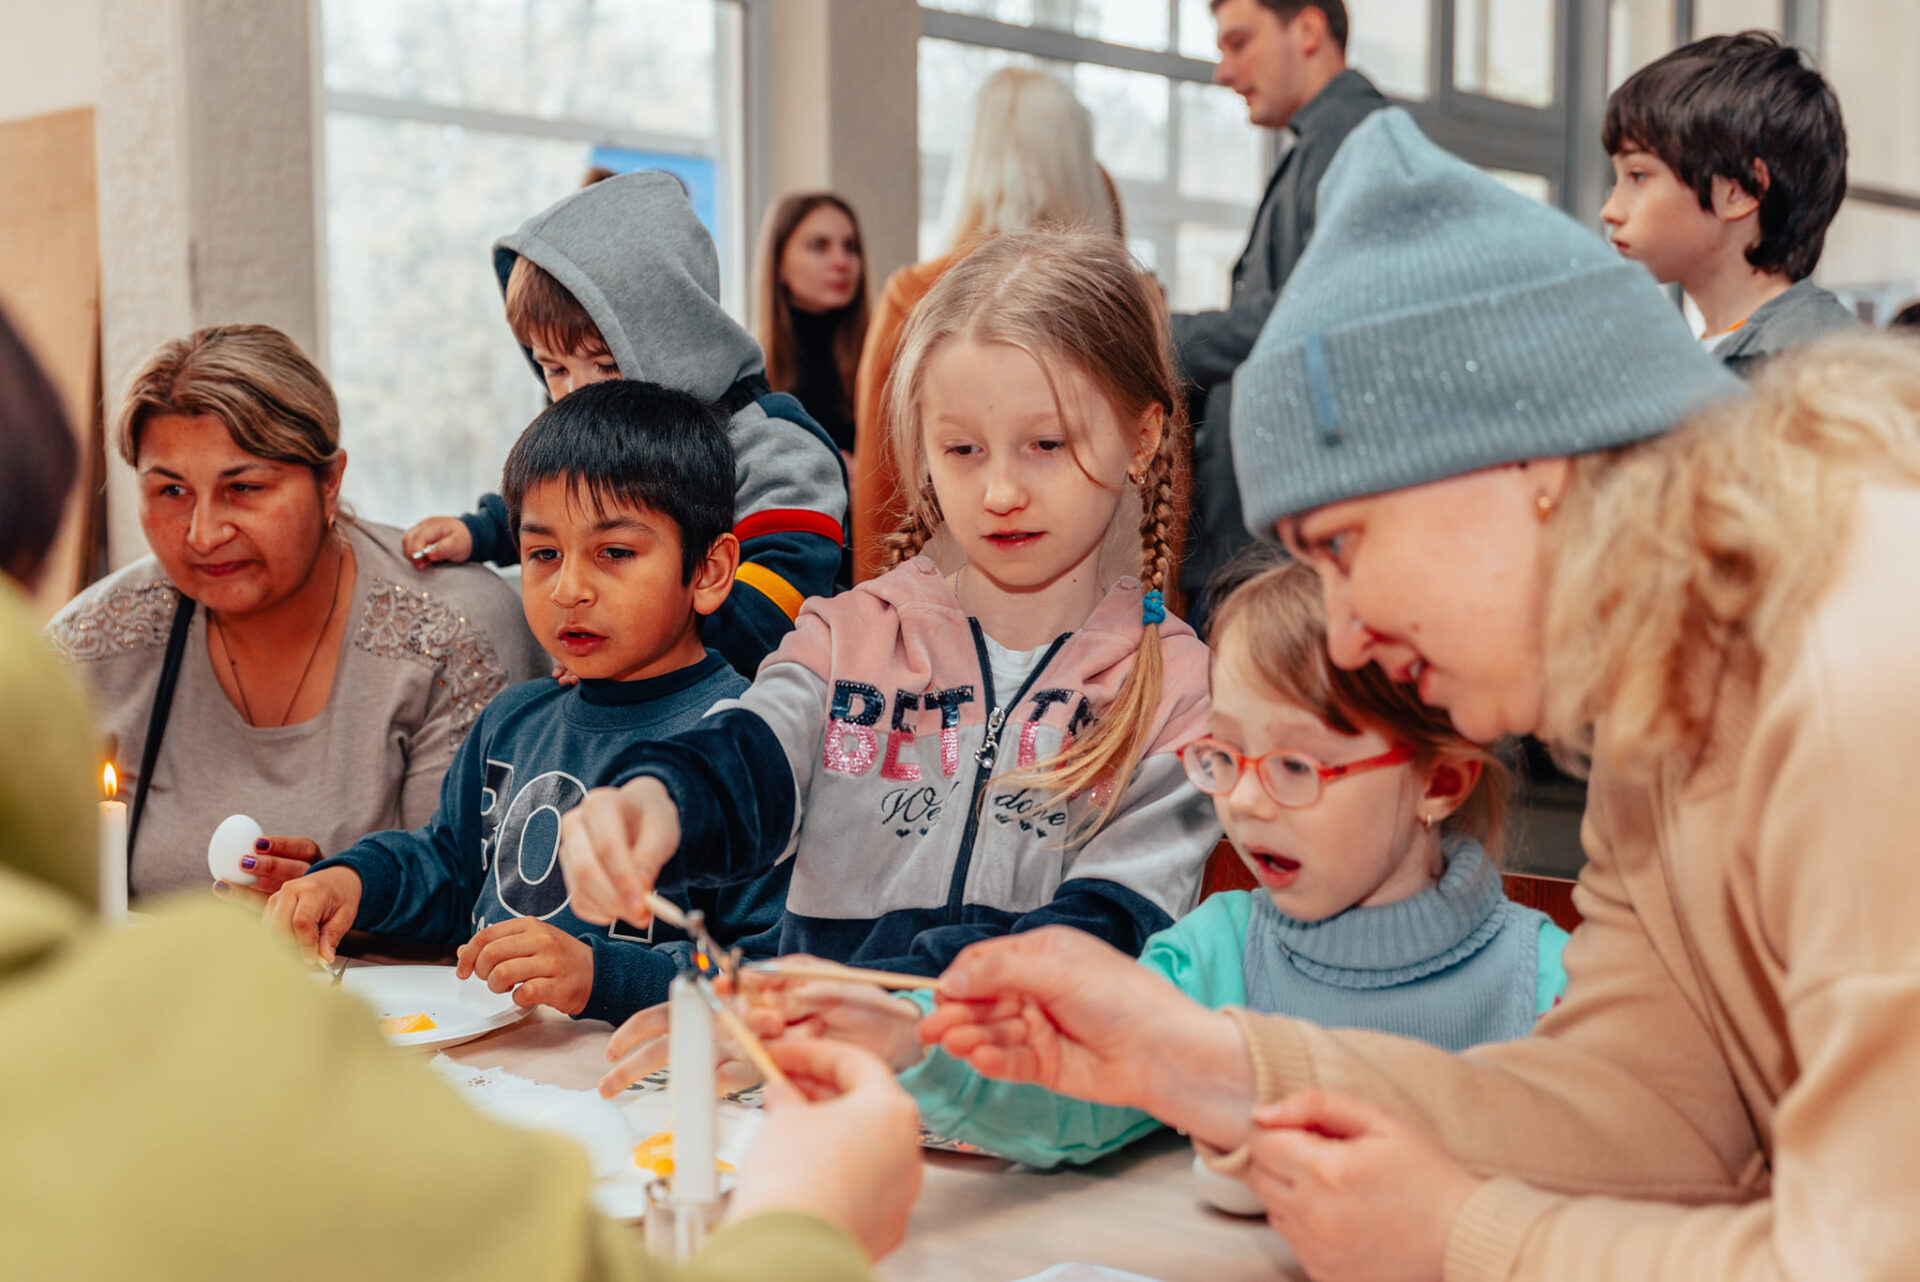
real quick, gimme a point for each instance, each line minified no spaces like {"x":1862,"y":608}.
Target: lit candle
{"x":113,"y":853}
{"x":690,"y":1063}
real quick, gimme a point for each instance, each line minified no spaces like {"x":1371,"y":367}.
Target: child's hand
{"x":1332,"y":1169}
{"x":640,"y":1047}
{"x":858,"y":1014}
{"x":1072,"y":1013}
{"x":438,"y":538}
{"x":612,"y":847}
{"x":852,"y":1154}
{"x":564,"y":675}
{"x":542,"y":964}
{"x":317,"y":910}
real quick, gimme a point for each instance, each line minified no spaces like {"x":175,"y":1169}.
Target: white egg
{"x":1223,"y":1191}
{"x":232,"y":839}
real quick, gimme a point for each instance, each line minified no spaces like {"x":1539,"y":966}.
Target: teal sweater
{"x":1203,"y":954}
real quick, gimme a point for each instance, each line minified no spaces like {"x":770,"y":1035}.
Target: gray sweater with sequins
{"x":423,"y":654}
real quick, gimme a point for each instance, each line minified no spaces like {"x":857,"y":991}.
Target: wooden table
{"x":984,"y":1220}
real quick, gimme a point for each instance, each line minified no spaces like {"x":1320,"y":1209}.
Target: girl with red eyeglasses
{"x":1372,"y":828}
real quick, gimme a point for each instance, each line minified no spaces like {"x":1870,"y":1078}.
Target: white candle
{"x":690,"y":1064}
{"x":113,"y":855}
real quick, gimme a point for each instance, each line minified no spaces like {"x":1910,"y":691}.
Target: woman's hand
{"x":1359,"y":1195}
{"x":845,"y":1145}
{"x":1065,"y":1010}
{"x":438,"y":538}
{"x":317,"y":910}
{"x":857,"y":1014}
{"x":542,"y":964}
{"x":612,"y":847}
{"x":275,"y":861}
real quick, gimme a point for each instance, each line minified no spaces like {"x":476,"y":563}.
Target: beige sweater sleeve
{"x":1620,"y":1090}
{"x":1820,"y":893}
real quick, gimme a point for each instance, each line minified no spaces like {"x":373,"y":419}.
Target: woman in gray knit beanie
{"x":1527,"y":490}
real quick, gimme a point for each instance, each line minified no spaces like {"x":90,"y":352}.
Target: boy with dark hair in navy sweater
{"x":621,"y":499}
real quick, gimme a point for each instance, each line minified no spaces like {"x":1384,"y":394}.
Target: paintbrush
{"x":754,"y":1048}
{"x":666,"y":910}
{"x":888,"y":979}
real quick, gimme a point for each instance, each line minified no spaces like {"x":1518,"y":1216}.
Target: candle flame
{"x":110,"y":781}
{"x":701,"y":963}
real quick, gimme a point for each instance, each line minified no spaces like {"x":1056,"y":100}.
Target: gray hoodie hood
{"x":632,"y":252}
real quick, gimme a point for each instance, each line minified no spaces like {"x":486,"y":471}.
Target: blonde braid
{"x":1157,"y":514}
{"x":920,"y":524}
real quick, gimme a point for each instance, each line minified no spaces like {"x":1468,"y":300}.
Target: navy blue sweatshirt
{"x":490,"y":852}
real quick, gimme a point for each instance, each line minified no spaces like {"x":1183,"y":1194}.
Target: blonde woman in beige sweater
{"x":1459,"y":414}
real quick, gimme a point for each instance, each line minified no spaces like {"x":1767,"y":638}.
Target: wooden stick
{"x":666,"y":910}
{"x":888,"y":979}
{"x":755,"y":1049}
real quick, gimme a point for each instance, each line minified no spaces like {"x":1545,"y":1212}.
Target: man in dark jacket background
{"x":1288,"y":59}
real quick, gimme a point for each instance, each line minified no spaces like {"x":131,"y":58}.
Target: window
{"x":1872,"y":256}
{"x":1723,"y":17}
{"x":1638,"y":31}
{"x":1504,"y":49}
{"x":1188,"y":166}
{"x":447,"y":126}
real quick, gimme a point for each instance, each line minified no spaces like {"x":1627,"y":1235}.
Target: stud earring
{"x":1543,"y":506}
{"x":1137,"y":478}
{"x":1426,"y":821}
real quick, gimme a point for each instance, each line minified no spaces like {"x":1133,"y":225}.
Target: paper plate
{"x":461,"y":1009}
{"x":605,"y":1133}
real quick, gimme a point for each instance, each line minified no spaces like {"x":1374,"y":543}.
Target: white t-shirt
{"x":1010,"y":667}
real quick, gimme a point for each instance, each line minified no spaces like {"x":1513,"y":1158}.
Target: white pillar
{"x":208,"y":205}
{"x":845,"y":89}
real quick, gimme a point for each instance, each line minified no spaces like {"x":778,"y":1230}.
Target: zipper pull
{"x":990,"y":746}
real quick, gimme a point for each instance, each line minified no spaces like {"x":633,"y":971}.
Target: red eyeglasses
{"x":1293,"y":779}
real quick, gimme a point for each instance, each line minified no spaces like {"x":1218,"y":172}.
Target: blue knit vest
{"x":1455,"y":965}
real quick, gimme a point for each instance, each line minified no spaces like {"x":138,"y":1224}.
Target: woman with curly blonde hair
{"x":1528,"y":493}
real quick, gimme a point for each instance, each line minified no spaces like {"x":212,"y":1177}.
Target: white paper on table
{"x":509,"y":1097}
{"x":1076,"y":1272}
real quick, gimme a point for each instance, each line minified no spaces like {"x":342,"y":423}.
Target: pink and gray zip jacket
{"x":873,"y":749}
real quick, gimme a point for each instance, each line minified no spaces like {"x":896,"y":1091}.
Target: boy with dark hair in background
{"x":1730,"y":159}
{"x":620,"y":280}
{"x":620,"y":497}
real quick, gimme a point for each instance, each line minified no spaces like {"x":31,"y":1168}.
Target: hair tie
{"x":1153,"y":609}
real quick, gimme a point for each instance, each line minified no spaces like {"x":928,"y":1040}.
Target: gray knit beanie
{"x":1438,"y":323}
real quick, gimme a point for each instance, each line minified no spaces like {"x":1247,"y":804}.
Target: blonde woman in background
{"x":1027,"y":161}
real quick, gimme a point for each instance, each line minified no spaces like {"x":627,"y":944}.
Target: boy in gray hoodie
{"x":620,"y":280}
{"x":1730,"y":159}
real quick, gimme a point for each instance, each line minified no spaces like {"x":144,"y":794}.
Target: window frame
{"x":1477,"y":127}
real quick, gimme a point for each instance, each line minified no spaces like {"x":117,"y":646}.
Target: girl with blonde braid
{"x":951,"y":756}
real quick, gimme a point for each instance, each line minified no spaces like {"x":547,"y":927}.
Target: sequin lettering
{"x":851,"y":744}
{"x":948,"y":701}
{"x":1042,"y":701}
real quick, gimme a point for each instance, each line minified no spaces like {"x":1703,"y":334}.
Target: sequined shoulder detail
{"x":131,"y":617}
{"x":406,"y":623}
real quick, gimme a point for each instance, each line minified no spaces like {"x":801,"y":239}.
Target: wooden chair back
{"x":1551,"y":895}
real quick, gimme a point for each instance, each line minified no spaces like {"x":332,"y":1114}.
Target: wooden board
{"x":50,"y":288}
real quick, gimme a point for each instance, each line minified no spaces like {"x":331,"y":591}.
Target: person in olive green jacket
{"x":181,"y":1100}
